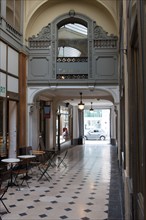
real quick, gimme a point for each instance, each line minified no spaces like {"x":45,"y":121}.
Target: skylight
{"x":77,"y":28}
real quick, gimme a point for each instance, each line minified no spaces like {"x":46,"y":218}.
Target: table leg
{"x":11,"y":183}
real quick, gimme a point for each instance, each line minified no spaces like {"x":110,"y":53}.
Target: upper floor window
{"x":72,"y":40}
{"x":0,"y":7}
{"x":13,"y":13}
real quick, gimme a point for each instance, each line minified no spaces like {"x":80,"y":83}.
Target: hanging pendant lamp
{"x":81,"y":104}
{"x":91,"y":109}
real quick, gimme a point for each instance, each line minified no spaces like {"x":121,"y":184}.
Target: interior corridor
{"x":87,"y":189}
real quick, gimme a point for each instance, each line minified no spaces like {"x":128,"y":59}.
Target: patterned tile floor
{"x":82,"y":191}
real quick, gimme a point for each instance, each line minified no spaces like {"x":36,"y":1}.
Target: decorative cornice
{"x":105,"y":43}
{"x":13,"y":31}
{"x":39,"y":44}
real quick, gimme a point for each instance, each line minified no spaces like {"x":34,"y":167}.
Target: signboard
{"x":47,"y":111}
{"x":2,"y":85}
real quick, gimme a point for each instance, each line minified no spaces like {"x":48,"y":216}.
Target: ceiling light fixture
{"x":81,"y":104}
{"x":91,"y":109}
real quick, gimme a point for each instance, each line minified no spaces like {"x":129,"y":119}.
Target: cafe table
{"x":28,"y":158}
{"x":11,"y":161}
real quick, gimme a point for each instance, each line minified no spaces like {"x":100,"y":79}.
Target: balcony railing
{"x":71,"y":76}
{"x":71,"y":59}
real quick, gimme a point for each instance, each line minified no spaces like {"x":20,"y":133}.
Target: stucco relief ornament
{"x":71,"y":13}
{"x":44,"y":34}
{"x":99,"y":33}
{"x":102,"y":39}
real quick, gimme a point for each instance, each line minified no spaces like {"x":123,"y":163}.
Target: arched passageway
{"x":63,"y":106}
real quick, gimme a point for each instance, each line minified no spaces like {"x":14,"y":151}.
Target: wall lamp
{"x":81,"y":104}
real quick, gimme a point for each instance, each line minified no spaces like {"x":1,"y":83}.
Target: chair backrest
{"x":20,"y":166}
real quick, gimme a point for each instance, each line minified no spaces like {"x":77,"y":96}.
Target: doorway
{"x":97,"y":124}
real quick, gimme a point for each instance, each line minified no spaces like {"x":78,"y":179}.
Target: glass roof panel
{"x":77,"y":28}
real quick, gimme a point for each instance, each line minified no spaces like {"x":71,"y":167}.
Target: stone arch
{"x":34,"y":92}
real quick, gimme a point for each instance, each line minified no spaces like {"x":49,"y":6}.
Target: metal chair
{"x":20,"y":169}
{"x":3,"y":190}
{"x":44,"y":167}
{"x":61,"y":159}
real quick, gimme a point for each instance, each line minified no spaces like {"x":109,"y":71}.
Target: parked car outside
{"x":96,"y":134}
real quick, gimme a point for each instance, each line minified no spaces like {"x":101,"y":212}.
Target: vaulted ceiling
{"x":38,"y":13}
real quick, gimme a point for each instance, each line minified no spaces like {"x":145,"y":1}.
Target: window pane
{"x":72,"y":41}
{"x":68,"y":52}
{"x":13,"y":13}
{"x":17,"y":14}
{"x":10,"y":11}
{"x":0,"y":7}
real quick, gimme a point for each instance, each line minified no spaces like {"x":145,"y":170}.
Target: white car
{"x":96,"y":134}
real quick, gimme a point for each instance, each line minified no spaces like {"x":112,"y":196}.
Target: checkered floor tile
{"x":79,"y":191}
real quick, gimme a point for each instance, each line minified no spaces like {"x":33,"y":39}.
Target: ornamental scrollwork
{"x":44,"y":34}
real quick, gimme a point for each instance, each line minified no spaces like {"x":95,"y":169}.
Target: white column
{"x":113,"y":125}
{"x":118,"y":131}
{"x":33,"y":126}
{"x":75,"y":123}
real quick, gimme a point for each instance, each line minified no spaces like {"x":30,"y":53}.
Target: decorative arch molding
{"x":33,"y":92}
{"x":72,"y":15}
